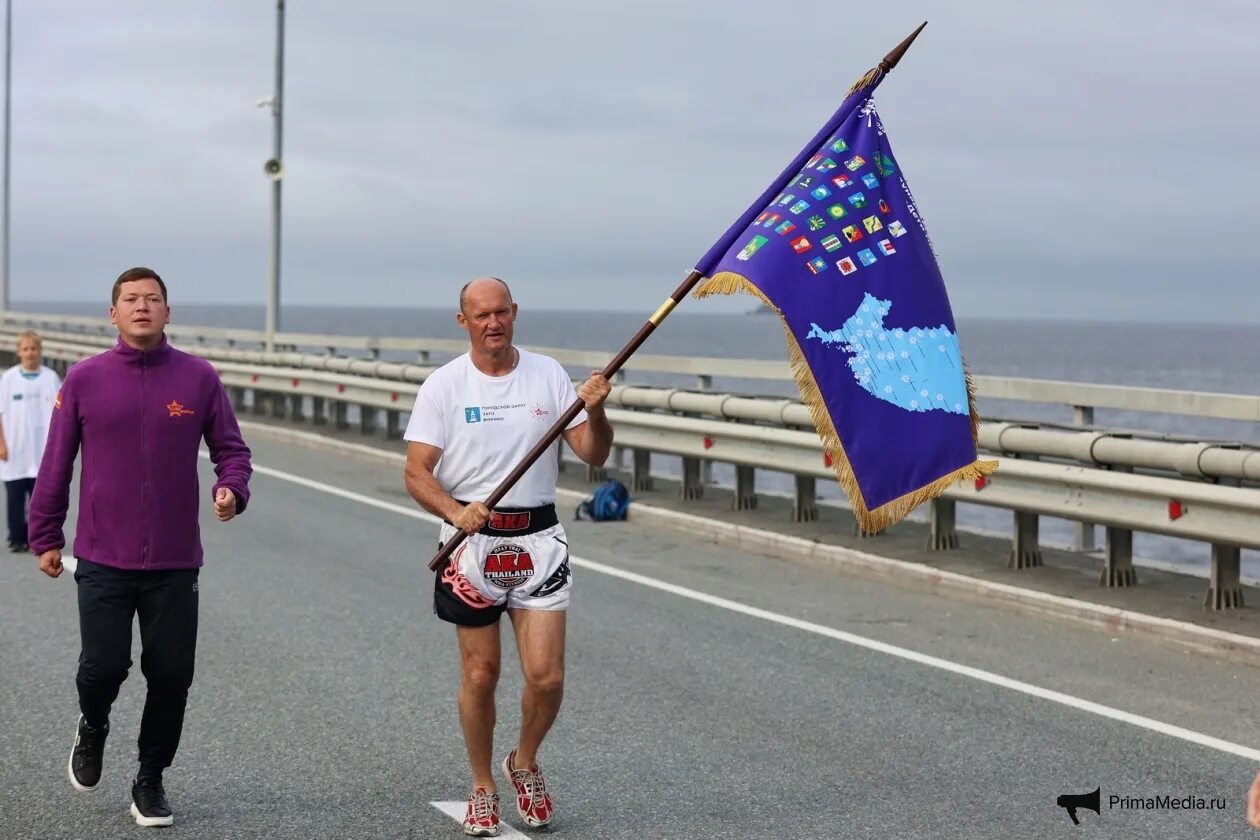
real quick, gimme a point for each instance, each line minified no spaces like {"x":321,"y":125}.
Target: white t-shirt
{"x":26,"y":407}
{"x":485,"y":425}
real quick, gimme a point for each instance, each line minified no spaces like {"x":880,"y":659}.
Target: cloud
{"x":1069,"y":158}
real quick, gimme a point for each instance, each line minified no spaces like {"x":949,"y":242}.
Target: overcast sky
{"x":1071,"y":158}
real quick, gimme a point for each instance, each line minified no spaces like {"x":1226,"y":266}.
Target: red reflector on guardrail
{"x":253,"y":378}
{"x":393,"y":398}
{"x":341,"y":389}
{"x":296,"y":382}
{"x":708,"y":443}
{"x":982,"y":482}
{"x":827,"y":461}
{"x":1175,"y":509}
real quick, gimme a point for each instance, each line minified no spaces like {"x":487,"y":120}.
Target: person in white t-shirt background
{"x":28,"y":391}
{"x":474,"y":420}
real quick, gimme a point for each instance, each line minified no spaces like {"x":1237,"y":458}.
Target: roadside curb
{"x":874,"y":567}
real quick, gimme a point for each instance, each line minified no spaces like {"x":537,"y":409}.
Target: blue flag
{"x":837,"y":247}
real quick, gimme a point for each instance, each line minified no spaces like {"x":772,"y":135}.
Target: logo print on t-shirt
{"x":538,"y":412}
{"x":508,"y":565}
{"x":176,"y":409}
{"x":472,"y":415}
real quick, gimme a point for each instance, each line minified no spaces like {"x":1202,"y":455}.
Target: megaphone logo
{"x":273,"y":169}
{"x":1072,"y":801}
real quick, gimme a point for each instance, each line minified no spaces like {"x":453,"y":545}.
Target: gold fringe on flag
{"x":889,"y":513}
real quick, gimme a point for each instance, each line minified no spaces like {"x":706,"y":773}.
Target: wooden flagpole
{"x":689,"y":282}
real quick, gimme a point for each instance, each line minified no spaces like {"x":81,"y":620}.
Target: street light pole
{"x":274,"y":169}
{"x":4,"y":235}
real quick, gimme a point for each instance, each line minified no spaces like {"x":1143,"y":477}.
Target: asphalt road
{"x":716,"y":694}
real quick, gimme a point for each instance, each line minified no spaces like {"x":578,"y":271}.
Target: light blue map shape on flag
{"x":915,"y":369}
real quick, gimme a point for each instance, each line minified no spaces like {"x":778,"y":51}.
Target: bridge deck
{"x":712,"y":692}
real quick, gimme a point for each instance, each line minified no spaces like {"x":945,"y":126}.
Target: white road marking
{"x":839,"y":635}
{"x":456,"y":811}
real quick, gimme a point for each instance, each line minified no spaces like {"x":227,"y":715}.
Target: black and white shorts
{"x":496,"y":569}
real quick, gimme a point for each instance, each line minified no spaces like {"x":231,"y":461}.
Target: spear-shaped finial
{"x":887,"y":63}
{"x":890,"y":61}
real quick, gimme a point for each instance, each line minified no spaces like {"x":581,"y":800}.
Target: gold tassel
{"x":889,"y":513}
{"x":865,"y":81}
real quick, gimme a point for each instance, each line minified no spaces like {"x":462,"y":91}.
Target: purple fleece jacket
{"x":139,"y":418}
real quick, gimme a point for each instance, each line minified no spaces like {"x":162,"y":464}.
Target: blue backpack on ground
{"x":610,"y":501}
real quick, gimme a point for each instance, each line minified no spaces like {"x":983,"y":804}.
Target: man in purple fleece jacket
{"x":138,"y":412}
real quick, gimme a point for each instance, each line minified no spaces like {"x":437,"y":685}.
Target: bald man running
{"x":474,"y":420}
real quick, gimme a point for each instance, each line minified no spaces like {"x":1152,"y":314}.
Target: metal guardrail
{"x":1215,"y":406}
{"x":700,"y":367}
{"x":1095,"y":447}
{"x":1083,"y":397}
{"x":1227,"y":518}
{"x":1209,"y":513}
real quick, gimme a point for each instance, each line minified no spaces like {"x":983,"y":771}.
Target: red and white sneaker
{"x":482,"y":818}
{"x":533,"y":802}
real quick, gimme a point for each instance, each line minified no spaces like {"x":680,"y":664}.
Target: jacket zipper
{"x":144,"y":466}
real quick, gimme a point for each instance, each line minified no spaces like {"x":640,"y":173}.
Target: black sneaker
{"x":87,"y":755}
{"x":148,"y":802}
